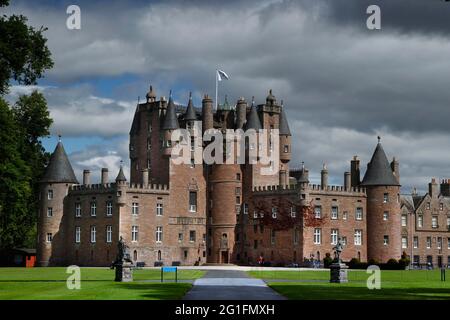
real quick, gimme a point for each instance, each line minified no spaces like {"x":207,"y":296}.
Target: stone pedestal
{"x":124,"y":272}
{"x":338,"y":273}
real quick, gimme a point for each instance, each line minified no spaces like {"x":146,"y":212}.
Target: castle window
{"x":108,"y":234}
{"x":359,"y":213}
{"x":159,"y":209}
{"x":334,"y":212}
{"x":441,"y":206}
{"x":317,"y":236}
{"x":358,"y":237}
{"x":238,"y":200}
{"x":245,"y":208}
{"x":108,"y":208}
{"x":404,"y":242}
{"x":77,"y":234}
{"x":386,"y":240}
{"x":238,"y":191}
{"x":272,"y":237}
{"x":93,"y":234}
{"x":77,"y":209}
{"x":386,"y":198}
{"x":192,"y":201}
{"x":448,"y":223}
{"x":334,"y":236}
{"x":185,"y":254}
{"x":420,"y":221}
{"x":93,"y":209}
{"x":135,"y":255}
{"x":428,"y":242}
{"x":439,"y":243}
{"x":428,"y":205}
{"x":274,"y":213}
{"x":192,"y":143}
{"x":286,"y":148}
{"x":238,"y":176}
{"x":404,"y":220}
{"x":255,"y":214}
{"x":293,"y":212}
{"x":149,"y":144}
{"x":296,"y":235}
{"x":345,"y":215}
{"x":434,"y":222}
{"x":192,"y":236}
{"x":180,"y":237}
{"x":318,"y":212}
{"x":448,"y":243}
{"x":50,"y":194}
{"x":149,"y":163}
{"x":49,"y":212}
{"x":134,"y":233}
{"x":344,"y":241}
{"x":385,"y":216}
{"x":49,"y":237}
{"x":204,"y":237}
{"x":135,"y":208}
{"x":416,"y":242}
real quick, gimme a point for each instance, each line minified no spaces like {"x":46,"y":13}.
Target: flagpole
{"x":217,"y":86}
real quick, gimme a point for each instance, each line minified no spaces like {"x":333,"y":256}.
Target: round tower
{"x":170,"y":124}
{"x":383,"y":209}
{"x":226,"y":196}
{"x":58,"y":177}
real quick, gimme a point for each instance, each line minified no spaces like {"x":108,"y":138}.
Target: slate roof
{"x":284,"y":126}
{"x":253,"y":121}
{"x":171,"y":120}
{"x":379,"y":172}
{"x":121,"y":175}
{"x":190,"y":111}
{"x":59,"y":168}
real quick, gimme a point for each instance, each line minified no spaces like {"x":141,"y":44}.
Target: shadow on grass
{"x":166,"y":291}
{"x":348,"y":292}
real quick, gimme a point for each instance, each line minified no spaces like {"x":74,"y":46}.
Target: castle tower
{"x":383,"y":208}
{"x":285,"y":148}
{"x":58,"y":177}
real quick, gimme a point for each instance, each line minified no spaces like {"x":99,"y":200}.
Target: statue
{"x":338,"y":249}
{"x":123,"y":263}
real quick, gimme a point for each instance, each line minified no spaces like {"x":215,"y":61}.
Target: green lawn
{"x":405,"y":285}
{"x":96,"y":284}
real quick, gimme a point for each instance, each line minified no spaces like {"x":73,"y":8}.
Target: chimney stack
{"x":145,"y":178}
{"x":445,"y":188}
{"x":241,"y":113}
{"x":104,"y":175}
{"x":395,"y":169}
{"x":347,"y":180}
{"x":207,"y":113}
{"x":86,"y":177}
{"x":324,"y":177}
{"x":355,"y":172}
{"x":433,"y":188}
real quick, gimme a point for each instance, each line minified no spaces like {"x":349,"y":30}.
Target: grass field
{"x":96,"y":284}
{"x":404,"y":285}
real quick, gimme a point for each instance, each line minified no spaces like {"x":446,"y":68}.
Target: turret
{"x":58,"y":177}
{"x":170,"y":124}
{"x":121,"y":185}
{"x":383,"y":208}
{"x":190,"y":116}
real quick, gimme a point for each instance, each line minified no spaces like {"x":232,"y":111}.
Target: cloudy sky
{"x":342,"y":84}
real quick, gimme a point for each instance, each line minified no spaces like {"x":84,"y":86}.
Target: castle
{"x":192,"y":214}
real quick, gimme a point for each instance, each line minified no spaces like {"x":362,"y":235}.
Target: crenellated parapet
{"x":110,"y":187}
{"x":316,"y":188}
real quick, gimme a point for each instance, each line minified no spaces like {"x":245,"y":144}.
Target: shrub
{"x":373,"y":262}
{"x":354,"y":263}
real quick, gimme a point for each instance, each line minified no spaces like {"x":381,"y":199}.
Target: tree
{"x":24,"y":55}
{"x":15,"y":219}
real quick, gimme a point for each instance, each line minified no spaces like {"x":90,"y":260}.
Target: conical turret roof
{"x":121,"y":176}
{"x":253,"y":121}
{"x":59,"y":168}
{"x":379,"y":172}
{"x":171,"y":120}
{"x":284,"y":126}
{"x":190,"y":111}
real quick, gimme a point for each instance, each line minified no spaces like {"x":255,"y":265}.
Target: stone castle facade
{"x":192,"y":214}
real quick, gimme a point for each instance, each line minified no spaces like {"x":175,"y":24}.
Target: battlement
{"x":274,"y":188}
{"x":309,"y":187}
{"x":318,"y":187}
{"x":108,"y":187}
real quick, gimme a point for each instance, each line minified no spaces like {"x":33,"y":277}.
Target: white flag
{"x":221,"y":74}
